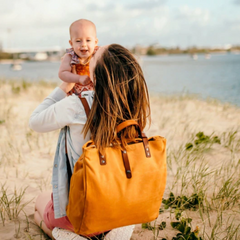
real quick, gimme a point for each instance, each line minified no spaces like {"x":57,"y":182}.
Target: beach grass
{"x":202,"y":196}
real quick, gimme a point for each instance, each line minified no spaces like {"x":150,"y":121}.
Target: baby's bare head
{"x":82,"y":25}
{"x":83,"y":38}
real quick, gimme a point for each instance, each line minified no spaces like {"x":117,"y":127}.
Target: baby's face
{"x":83,"y":40}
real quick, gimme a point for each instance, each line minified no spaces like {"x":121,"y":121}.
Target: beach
{"x":203,"y":152}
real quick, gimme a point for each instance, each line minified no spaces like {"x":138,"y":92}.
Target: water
{"x":32,"y":71}
{"x":217,"y":77}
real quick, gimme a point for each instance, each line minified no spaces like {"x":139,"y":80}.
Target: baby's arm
{"x":66,"y":75}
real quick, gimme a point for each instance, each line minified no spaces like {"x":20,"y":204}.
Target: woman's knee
{"x":37,"y":218}
{"x":41,"y":201}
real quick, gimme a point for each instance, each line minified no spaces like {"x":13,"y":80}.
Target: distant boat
{"x":16,"y":66}
{"x":235,"y":52}
{"x":207,"y":56}
{"x":41,"y":56}
{"x":194,"y":56}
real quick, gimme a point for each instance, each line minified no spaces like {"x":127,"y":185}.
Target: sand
{"x":26,"y":157}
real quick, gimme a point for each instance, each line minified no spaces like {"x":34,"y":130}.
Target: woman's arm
{"x":56,"y":111}
{"x":66,"y":75}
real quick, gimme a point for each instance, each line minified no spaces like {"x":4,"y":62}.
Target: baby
{"x":74,"y":67}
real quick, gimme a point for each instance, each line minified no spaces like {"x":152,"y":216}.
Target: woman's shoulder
{"x":73,"y":102}
{"x":73,"y":109}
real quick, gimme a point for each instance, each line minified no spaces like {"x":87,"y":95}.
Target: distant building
{"x":140,"y":50}
{"x":47,"y":54}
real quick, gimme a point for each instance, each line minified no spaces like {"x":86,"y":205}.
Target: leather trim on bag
{"x":102,"y":159}
{"x":146,"y":145}
{"x":126,"y":164}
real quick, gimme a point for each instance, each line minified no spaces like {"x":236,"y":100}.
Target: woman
{"x":120,"y":94}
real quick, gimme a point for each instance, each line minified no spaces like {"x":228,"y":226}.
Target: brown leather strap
{"x":126,"y":164}
{"x":85,"y":105}
{"x":102,"y":158}
{"x":146,"y":145}
{"x":87,"y":110}
{"x":125,"y":124}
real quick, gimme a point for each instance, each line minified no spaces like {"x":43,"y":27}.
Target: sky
{"x":29,"y":24}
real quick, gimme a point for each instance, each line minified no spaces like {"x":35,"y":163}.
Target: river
{"x":217,"y":76}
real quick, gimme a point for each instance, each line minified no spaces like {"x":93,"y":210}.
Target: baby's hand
{"x":84,"y":80}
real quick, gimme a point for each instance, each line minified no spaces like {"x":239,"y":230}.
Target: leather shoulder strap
{"x":85,"y":105}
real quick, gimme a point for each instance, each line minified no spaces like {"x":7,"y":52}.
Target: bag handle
{"x":132,"y":122}
{"x":126,"y":162}
{"x":125,"y":124}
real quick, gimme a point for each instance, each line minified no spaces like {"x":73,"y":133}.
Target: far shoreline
{"x":215,"y":53}
{"x":162,"y":95}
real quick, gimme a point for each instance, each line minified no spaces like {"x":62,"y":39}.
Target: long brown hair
{"x":120,"y":94}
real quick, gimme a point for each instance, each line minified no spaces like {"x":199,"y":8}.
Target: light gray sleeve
{"x":55,"y":112}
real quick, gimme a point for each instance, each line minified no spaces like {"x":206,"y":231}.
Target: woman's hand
{"x":66,"y":87}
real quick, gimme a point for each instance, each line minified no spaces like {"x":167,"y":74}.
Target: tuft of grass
{"x":17,"y":228}
{"x":26,"y":85}
{"x":184,"y":227}
{"x":183,"y":202}
{"x":155,"y":228}
{"x":202,"y":141}
{"x":206,"y":184}
{"x":16,"y":90}
{"x":11,"y":204}
{"x":231,"y":141}
{"x":46,"y":84}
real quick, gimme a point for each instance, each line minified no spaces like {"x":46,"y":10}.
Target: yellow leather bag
{"x":120,"y":188}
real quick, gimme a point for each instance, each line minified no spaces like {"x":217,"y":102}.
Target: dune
{"x":210,"y":168}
